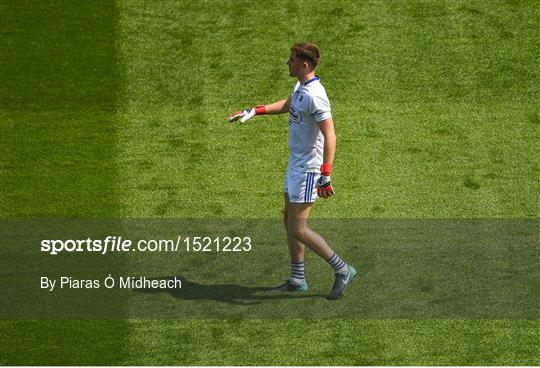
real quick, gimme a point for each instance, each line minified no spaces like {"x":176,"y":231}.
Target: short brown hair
{"x":307,"y":51}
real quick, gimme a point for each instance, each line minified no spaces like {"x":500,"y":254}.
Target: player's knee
{"x":298,"y":232}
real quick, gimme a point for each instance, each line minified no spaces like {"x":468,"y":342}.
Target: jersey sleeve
{"x":319,"y":108}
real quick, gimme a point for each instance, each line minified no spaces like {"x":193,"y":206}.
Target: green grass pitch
{"x":116,"y":109}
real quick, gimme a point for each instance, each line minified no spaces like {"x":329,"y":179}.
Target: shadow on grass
{"x":225,"y":293}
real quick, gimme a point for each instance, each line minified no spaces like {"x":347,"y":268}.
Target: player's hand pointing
{"x":245,"y":115}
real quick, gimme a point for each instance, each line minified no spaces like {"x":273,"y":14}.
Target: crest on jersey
{"x":294,"y":116}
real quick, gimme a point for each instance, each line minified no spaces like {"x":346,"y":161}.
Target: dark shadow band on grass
{"x":59,"y":92}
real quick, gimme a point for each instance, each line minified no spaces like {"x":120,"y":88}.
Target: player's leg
{"x":296,"y":248}
{"x":300,"y":195}
{"x":296,"y":281}
{"x":297,"y":215}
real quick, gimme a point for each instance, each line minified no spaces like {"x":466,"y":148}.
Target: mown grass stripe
{"x":58,"y":149}
{"x":58,"y":99}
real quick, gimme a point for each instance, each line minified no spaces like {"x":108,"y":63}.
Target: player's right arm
{"x":278,"y":107}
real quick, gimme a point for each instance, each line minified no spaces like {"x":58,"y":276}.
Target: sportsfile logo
{"x":112,"y":244}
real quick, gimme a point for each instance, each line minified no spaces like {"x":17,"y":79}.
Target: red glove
{"x":324,"y":183}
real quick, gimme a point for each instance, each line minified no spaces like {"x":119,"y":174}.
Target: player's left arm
{"x":324,"y":184}
{"x":327,"y":129}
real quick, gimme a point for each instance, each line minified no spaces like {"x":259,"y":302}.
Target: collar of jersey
{"x":316,"y":78}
